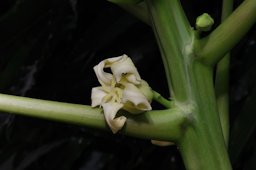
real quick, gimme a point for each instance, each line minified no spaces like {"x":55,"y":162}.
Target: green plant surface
{"x":211,"y":51}
{"x":222,"y":79}
{"x":55,"y":63}
{"x":159,"y":125}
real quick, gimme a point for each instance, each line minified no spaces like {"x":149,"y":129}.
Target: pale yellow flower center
{"x":113,"y":93}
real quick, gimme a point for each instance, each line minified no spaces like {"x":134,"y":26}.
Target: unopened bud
{"x":204,"y":22}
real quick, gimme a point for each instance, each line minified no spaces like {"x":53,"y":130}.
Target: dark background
{"x":47,"y":51}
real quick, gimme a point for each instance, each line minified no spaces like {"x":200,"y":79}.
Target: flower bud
{"x":204,"y":22}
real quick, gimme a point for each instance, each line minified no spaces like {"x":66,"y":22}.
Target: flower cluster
{"x":121,"y":89}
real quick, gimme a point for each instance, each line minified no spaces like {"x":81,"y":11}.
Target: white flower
{"x":123,"y":89}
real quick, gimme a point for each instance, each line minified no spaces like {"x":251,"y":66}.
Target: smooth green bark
{"x":158,"y":124}
{"x":193,"y":123}
{"x":174,"y":36}
{"x":222,"y":79}
{"x":202,"y":146}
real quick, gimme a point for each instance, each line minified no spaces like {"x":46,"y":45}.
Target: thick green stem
{"x":222,"y":79}
{"x":52,"y":110}
{"x":160,"y":125}
{"x":166,"y":125}
{"x":212,"y":48}
{"x":202,"y":146}
{"x":175,"y":37}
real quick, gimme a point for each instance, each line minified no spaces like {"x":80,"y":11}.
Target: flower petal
{"x":125,"y":68}
{"x":103,"y":77}
{"x":110,"y":61}
{"x":97,"y":96}
{"x":110,"y":111}
{"x":134,"y":101}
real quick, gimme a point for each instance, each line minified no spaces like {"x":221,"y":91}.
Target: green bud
{"x":204,"y":22}
{"x":125,"y":1}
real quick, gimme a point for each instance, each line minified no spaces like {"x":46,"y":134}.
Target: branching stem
{"x":212,"y":49}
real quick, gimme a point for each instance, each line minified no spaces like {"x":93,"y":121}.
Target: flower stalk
{"x":163,"y":101}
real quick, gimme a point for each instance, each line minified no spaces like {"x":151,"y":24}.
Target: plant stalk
{"x":222,"y":79}
{"x":149,"y":125}
{"x":175,"y":34}
{"x":160,"y":99}
{"x":202,"y":145}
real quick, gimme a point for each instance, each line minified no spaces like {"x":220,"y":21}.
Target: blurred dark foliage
{"x":47,"y":51}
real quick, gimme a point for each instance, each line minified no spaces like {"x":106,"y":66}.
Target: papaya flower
{"x":121,"y":88}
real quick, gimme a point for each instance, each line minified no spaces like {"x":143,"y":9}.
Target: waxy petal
{"x":108,"y":62}
{"x":110,"y":111}
{"x":124,"y":89}
{"x":125,"y":68}
{"x":103,"y":77}
{"x":134,"y":101}
{"x":97,"y":96}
